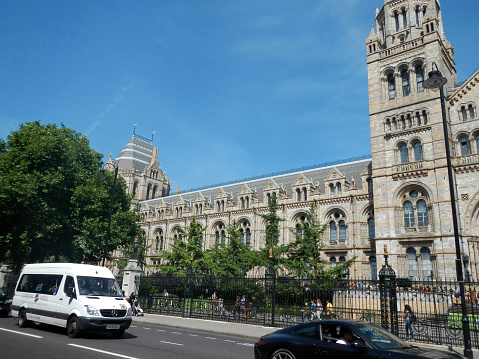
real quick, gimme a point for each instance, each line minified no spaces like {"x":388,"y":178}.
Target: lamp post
{"x":434,"y":82}
{"x":108,"y":231}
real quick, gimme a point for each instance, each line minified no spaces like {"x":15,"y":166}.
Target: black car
{"x":319,"y":340}
{"x":4,"y":304}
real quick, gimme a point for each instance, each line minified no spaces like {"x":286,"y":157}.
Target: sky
{"x":232,"y":89}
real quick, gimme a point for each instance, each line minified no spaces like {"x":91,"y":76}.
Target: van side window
{"x":69,"y":283}
{"x":40,"y":283}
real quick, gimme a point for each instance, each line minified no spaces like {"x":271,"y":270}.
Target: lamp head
{"x":435,"y":80}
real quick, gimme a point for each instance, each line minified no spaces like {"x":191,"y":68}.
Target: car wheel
{"x":22,"y":319}
{"x":117,"y":334}
{"x":73,"y":327}
{"x":282,"y":354}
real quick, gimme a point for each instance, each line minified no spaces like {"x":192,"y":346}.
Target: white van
{"x":78,"y":297}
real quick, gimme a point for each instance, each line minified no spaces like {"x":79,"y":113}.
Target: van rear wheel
{"x":22,"y":319}
{"x":73,"y":327}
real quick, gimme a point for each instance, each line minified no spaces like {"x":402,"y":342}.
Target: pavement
{"x":241,"y":330}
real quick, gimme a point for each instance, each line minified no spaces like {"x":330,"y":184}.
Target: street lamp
{"x":434,"y":82}
{"x":108,"y":231}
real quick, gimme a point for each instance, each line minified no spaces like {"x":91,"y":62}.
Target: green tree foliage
{"x":186,"y":251}
{"x":272,"y":251}
{"x":234,"y":258}
{"x":52,"y":203}
{"x":304,"y":254}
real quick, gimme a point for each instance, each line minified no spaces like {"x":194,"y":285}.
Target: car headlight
{"x":91,"y":310}
{"x":8,"y":301}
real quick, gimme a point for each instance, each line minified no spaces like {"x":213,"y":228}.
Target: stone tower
{"x":411,"y":195}
{"x":138,"y":165}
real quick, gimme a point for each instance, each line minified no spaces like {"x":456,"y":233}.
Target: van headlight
{"x":129,"y":311}
{"x":91,"y":310}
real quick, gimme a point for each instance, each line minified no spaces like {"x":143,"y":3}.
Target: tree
{"x":272,"y":252}
{"x":53,"y":206}
{"x":304,"y":254}
{"x":186,"y":251}
{"x":234,"y":258}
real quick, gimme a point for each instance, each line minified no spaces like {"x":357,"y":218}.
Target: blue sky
{"x":232,"y":89}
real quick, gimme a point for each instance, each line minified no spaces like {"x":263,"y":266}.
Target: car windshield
{"x":381,"y":338}
{"x":106,"y":287}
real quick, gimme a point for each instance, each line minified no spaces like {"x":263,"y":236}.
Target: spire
{"x":178,"y":190}
{"x":372,"y":35}
{"x":110,"y":165}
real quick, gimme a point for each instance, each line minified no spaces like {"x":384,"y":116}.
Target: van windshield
{"x":106,"y":287}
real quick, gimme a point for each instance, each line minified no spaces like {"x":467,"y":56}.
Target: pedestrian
{"x":314,"y":309}
{"x":165,"y":299}
{"x":214,"y":307}
{"x":254,"y":306}
{"x":319,"y":306}
{"x":237,"y":309}
{"x":329,"y":307}
{"x":408,"y":320}
{"x":243,"y":305}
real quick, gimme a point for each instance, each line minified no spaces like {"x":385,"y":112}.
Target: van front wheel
{"x":73,"y":327}
{"x":22,"y":319}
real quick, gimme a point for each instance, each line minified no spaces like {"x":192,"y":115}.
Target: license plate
{"x":113,"y":326}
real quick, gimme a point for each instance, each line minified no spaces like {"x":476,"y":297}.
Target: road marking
{"x":102,"y":351}
{"x":146,"y":328}
{"x":210,"y":338}
{"x":162,"y":341}
{"x":134,"y":326}
{"x":246,"y":344}
{"x":175,"y":333}
{"x":160,"y":330}
{"x":193,"y":335}
{"x":16,"y":332}
{"x":230,"y":341}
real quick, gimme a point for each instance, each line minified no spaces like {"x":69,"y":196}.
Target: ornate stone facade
{"x":398,"y":198}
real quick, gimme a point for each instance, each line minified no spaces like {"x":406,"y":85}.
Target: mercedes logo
{"x":114,"y":313}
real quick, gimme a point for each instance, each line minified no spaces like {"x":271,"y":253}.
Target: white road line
{"x":210,"y":338}
{"x":175,"y":333}
{"x":193,"y":335}
{"x":230,"y":341}
{"x":134,"y":326}
{"x":16,"y":332}
{"x":162,"y":341}
{"x":102,"y":351}
{"x":146,"y":328}
{"x":161,"y":330}
{"x":246,"y":344}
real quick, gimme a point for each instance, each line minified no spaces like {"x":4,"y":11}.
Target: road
{"x":141,"y":341}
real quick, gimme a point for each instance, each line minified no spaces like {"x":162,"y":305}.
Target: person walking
{"x":319,"y":306}
{"x":329,"y":308}
{"x":408,"y":320}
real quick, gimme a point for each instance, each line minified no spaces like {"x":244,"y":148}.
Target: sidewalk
{"x":238,"y":329}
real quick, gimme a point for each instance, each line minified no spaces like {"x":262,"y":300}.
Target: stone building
{"x":399,"y":197}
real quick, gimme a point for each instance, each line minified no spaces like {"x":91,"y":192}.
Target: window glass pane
{"x":339,"y":189}
{"x":371,"y":228}
{"x":248,"y":236}
{"x":332,"y":231}
{"x":373,"y":265}
{"x":477,"y":143}
{"x":408,"y":215}
{"x":391,"y":87}
{"x":426,"y":265}
{"x":464,"y":113}
{"x":420,"y":78}
{"x":471,"y":112}
{"x":403,"y":153}
{"x":422,"y":213}
{"x":464,"y":146}
{"x":405,"y":82}
{"x":417,"y":151}
{"x":412,"y":264}
{"x":342,"y":231}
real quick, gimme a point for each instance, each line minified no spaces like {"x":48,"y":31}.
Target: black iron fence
{"x":277,"y":301}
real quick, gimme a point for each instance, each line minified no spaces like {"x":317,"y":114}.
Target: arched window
{"x":298,"y":195}
{"x":417,"y":148}
{"x":217,"y":237}
{"x":391,"y":86}
{"x":477,"y":143}
{"x":403,"y":153}
{"x":422,"y":213}
{"x":332,"y":260}
{"x":223,"y":237}
{"x":388,"y":125}
{"x":305,"y":194}
{"x":371,"y":228}
{"x":404,"y":18}
{"x":412,"y":269}
{"x":471,"y":112}
{"x":148,"y":191}
{"x":342,"y":260}
{"x":331,"y":189}
{"x":395,"y":124}
{"x":242,"y":203}
{"x":409,"y":120}
{"x":420,"y":78}
{"x":464,"y":113}
{"x":396,"y":20}
{"x":241,"y":236}
{"x":418,"y":118}
{"x":332,"y":231}
{"x":248,"y":236}
{"x":338,"y":186}
{"x":373,"y":267}
{"x":408,"y":214}
{"x":424,"y":117}
{"x":299,"y":232}
{"x":342,"y":231}
{"x":464,"y":144}
{"x":157,"y":246}
{"x":405,"y":82}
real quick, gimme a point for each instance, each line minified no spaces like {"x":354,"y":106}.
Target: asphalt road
{"x":141,"y":341}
